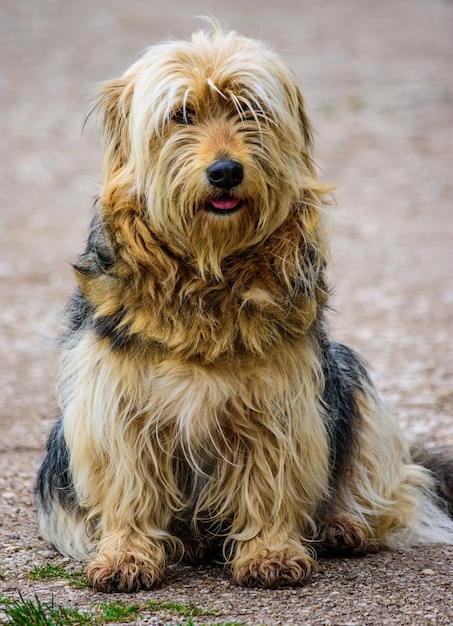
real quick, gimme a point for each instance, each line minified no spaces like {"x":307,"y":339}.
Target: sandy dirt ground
{"x":378,"y":81}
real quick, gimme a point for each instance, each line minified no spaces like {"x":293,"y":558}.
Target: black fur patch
{"x":439,"y":462}
{"x":79,"y":314}
{"x":54,"y":482}
{"x":98,"y":257}
{"x":345,"y":377}
{"x":111,"y":326}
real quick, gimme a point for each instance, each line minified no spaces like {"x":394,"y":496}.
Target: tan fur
{"x":213,"y":408}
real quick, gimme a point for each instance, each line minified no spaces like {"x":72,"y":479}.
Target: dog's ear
{"x":297,"y":108}
{"x":113,"y":106}
{"x":304,"y":122}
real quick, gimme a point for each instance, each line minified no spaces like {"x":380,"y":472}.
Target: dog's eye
{"x":184,"y":116}
{"x":249,"y":114}
{"x":253,"y":114}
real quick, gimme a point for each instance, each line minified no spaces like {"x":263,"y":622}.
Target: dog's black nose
{"x":225,"y":174}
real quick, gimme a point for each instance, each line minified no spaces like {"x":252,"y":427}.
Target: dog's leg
{"x":272,"y":508}
{"x":343,"y":533}
{"x":131,"y":522}
{"x":379,"y":497}
{"x":133,"y":518}
{"x":279,"y":474}
{"x":126,"y":561}
{"x":127,"y":557}
{"x":348,"y":397}
{"x":122,"y":477}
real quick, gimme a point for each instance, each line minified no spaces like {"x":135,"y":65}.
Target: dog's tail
{"x":439,"y":461}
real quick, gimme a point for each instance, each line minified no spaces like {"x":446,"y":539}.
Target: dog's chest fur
{"x":166,"y":307}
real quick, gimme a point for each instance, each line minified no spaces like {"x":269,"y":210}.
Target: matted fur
{"x":204,"y":411}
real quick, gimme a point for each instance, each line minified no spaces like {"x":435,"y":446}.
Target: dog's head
{"x":209,"y":139}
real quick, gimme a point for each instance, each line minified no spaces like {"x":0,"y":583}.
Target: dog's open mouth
{"x":224,"y":205}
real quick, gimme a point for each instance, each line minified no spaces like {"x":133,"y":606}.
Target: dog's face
{"x":211,"y":136}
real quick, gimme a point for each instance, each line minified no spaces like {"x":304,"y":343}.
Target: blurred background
{"x":377,"y":78}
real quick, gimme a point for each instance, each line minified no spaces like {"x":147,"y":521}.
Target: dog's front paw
{"x":273,"y":569}
{"x":123,"y":573}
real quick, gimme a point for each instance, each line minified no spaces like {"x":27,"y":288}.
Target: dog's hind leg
{"x":341,"y":526}
{"x":379,"y":498}
{"x":62,"y":521}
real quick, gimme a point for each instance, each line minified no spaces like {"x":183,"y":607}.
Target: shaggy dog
{"x":205,"y":413}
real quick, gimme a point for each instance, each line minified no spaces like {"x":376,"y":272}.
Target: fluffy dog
{"x":205,"y":413}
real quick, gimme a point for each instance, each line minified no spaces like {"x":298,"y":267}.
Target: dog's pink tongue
{"x":225,"y":204}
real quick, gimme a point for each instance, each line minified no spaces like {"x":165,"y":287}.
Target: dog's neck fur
{"x":144,"y":294}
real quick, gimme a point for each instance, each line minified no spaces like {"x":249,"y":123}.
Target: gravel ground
{"x":377,"y":77}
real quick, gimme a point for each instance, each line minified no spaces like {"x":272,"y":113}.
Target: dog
{"x":205,"y":414}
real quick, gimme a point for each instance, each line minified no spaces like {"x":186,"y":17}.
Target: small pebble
{"x":428,"y":572}
{"x":48,"y":554}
